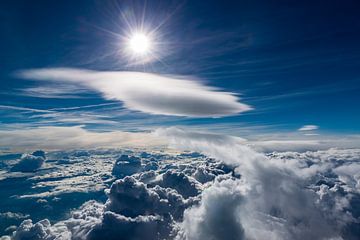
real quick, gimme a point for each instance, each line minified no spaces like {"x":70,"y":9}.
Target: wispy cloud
{"x":84,"y":114}
{"x":308,"y":128}
{"x":20,"y":137}
{"x":9,"y":107}
{"x":266,"y":142}
{"x":60,"y":91}
{"x":149,"y":93}
{"x":54,"y":138}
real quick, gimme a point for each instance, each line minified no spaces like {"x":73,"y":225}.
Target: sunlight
{"x":139,"y":44}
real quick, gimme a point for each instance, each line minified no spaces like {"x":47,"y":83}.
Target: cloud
{"x":55,"y":138}
{"x":288,"y":145}
{"x":126,"y":166}
{"x":301,"y":144}
{"x":77,"y":137}
{"x":24,"y":109}
{"x":30,"y":162}
{"x":268,"y":201}
{"x":13,"y":215}
{"x":308,"y":128}
{"x":241,"y":194}
{"x":149,"y":93}
{"x":183,"y":184}
{"x":39,"y":230}
{"x":61,"y":91}
{"x":216,"y":217}
{"x":132,"y":211}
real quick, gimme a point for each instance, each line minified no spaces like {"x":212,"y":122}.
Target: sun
{"x":139,"y":44}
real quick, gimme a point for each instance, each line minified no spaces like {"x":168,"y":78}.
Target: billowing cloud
{"x":308,"y":128}
{"x":30,"y":162}
{"x":149,"y":93}
{"x":224,"y":190}
{"x":269,"y":200}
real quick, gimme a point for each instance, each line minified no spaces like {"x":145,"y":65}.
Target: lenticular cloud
{"x":149,"y":93}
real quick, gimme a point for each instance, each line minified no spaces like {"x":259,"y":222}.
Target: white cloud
{"x":273,"y":202}
{"x":55,"y":138}
{"x":149,"y":93}
{"x":281,"y":195}
{"x":287,"y":195}
{"x":309,"y":143}
{"x":77,"y":137}
{"x":54,"y":91}
{"x":308,"y":128}
{"x":30,"y":162}
{"x":13,"y":215}
{"x":216,"y":217}
{"x":287,"y":145}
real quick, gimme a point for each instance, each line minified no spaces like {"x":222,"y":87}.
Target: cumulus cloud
{"x":183,"y":184}
{"x":229,"y":191}
{"x":216,"y":216}
{"x":39,"y":230}
{"x":133,"y":211}
{"x":149,"y":93}
{"x":78,"y":226}
{"x":30,"y":162}
{"x":268,"y":201}
{"x":125,"y":166}
{"x":308,"y":128}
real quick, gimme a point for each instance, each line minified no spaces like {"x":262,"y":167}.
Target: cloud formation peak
{"x":149,"y":93}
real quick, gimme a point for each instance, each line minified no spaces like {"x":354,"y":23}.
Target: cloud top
{"x":149,"y":93}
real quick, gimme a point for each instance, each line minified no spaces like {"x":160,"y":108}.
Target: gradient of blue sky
{"x":295,"y":62}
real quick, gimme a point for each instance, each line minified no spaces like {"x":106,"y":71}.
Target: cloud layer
{"x":55,"y":138}
{"x":149,"y":93}
{"x":223,"y":190}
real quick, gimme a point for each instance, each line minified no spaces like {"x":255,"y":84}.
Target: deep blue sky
{"x":295,"y":62}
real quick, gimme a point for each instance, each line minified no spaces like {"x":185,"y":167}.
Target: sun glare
{"x":139,"y":44}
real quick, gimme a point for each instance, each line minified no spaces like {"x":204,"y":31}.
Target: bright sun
{"x":139,"y":44}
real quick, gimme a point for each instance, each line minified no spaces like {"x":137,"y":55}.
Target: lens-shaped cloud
{"x":149,"y":93}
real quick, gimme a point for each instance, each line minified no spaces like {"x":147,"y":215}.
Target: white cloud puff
{"x":308,"y":128}
{"x":216,"y":217}
{"x":30,"y":162}
{"x":149,"y":93}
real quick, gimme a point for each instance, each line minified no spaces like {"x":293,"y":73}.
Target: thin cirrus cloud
{"x":308,"y":128}
{"x":149,"y":93}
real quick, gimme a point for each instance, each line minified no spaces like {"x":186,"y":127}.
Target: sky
{"x":262,"y":68}
{"x":186,"y":120}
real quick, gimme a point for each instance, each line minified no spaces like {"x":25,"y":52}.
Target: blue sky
{"x":177,"y":116}
{"x":294,"y":62}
